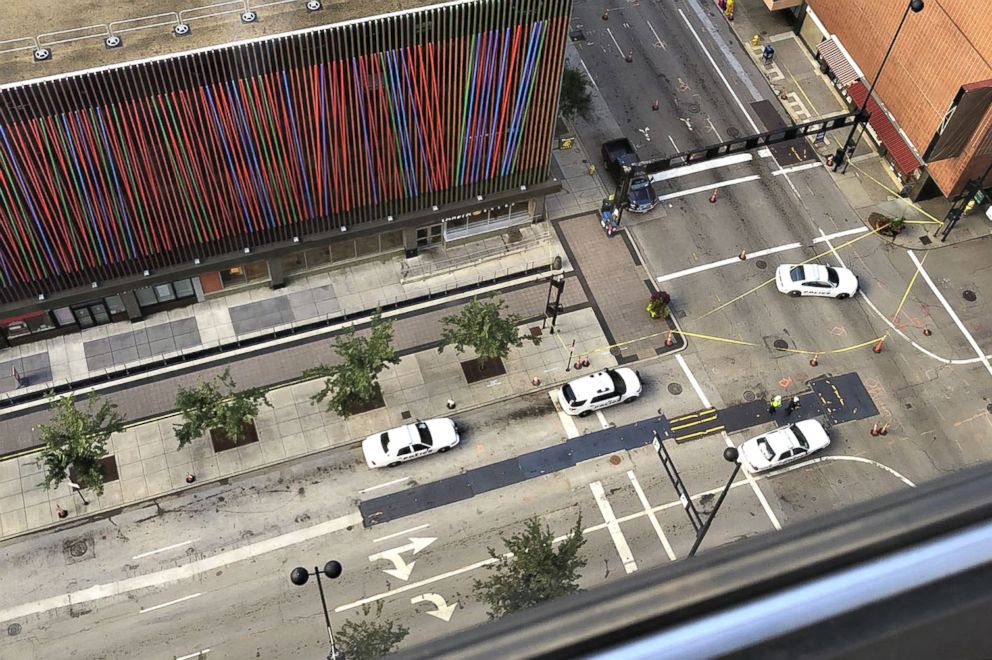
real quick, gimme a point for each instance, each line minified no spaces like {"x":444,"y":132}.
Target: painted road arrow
{"x":443,"y":611}
{"x":401,"y":569}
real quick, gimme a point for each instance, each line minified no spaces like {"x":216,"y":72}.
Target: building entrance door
{"x":428,"y":237}
{"x":90,"y":315}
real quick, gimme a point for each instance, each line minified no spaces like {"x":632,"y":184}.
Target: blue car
{"x":641,"y":197}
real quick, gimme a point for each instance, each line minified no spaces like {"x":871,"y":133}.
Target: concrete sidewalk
{"x":869,"y":183}
{"x":150,"y":466}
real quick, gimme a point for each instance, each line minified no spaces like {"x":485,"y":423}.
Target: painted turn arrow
{"x":402,"y":570}
{"x":443,"y":611}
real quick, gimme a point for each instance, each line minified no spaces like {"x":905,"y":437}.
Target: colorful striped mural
{"x":141,"y":166}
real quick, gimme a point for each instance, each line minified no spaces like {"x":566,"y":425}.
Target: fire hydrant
{"x":591,"y":169}
{"x":755,"y":40}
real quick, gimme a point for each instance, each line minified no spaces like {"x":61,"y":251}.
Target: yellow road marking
{"x":693,"y":423}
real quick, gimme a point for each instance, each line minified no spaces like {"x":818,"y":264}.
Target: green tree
{"x":217,"y":404}
{"x":77,"y":439}
{"x":369,"y":638}
{"x":534,"y":572}
{"x":355,"y":379}
{"x":575,"y":96}
{"x":481,"y":326}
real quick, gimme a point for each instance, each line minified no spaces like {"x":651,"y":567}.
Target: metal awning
{"x":902,"y":155}
{"x":843,"y":69}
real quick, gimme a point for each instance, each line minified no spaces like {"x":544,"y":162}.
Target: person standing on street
{"x":775,"y":404}
{"x":792,"y":405}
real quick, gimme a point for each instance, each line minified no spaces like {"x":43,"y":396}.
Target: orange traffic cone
{"x":606,"y":14}
{"x":743,"y":255}
{"x":877,"y":348}
{"x":585,"y":360}
{"x":926,"y":331}
{"x":713,"y":196}
{"x":578,"y":364}
{"x":813,"y":361}
{"x":60,"y":512}
{"x":654,"y":104}
{"x":668,"y":340}
{"x":874,"y":429}
{"x":830,"y":161}
{"x":630,"y":55}
{"x":884,"y":429}
{"x":535,"y":381}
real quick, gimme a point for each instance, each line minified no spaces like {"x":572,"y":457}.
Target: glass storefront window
{"x":318,"y":257}
{"x":164,"y":292}
{"x":257,"y":270}
{"x":233,"y":276}
{"x":184,"y":288}
{"x":391,"y":240}
{"x":63,"y":316}
{"x":293,"y":263}
{"x":146,"y":296}
{"x":115,"y":305}
{"x":342,"y":250}
{"x":367,"y":245}
{"x":25,"y":326}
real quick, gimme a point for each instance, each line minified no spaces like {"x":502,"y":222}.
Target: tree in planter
{"x":658,"y":304}
{"x":206,"y":407}
{"x":355,"y":380}
{"x":369,"y":638}
{"x":535,"y":572}
{"x":575,"y":97}
{"x":481,"y":326}
{"x":77,"y":439}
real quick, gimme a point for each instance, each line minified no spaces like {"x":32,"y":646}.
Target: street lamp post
{"x":730,"y":454}
{"x":332,"y":570}
{"x":850,"y":144}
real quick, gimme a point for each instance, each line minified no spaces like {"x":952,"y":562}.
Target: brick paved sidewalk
{"x":612,"y":275}
{"x":150,"y":466}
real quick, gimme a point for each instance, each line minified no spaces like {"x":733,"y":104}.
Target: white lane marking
{"x":192,"y":569}
{"x":171,"y":602}
{"x":589,"y":74}
{"x":954,"y":317}
{"x":571,"y":431}
{"x":443,"y":611}
{"x":385,"y":485}
{"x":764,"y":152}
{"x":825,"y":238}
{"x":718,"y":184}
{"x":713,"y":128}
{"x":672,"y":140}
{"x":619,"y":540}
{"x":757,"y":490}
{"x":403,"y":533}
{"x":706,"y":404}
{"x":657,"y":39}
{"x":718,"y":39}
{"x":651,"y":515}
{"x":602,"y":419}
{"x":619,"y":50}
{"x":196,"y":654}
{"x":726,"y":262}
{"x":719,"y":72}
{"x":692,"y":381}
{"x":723,"y":161}
{"x":165,"y":549}
{"x":856,"y":459}
{"x":797,"y":168}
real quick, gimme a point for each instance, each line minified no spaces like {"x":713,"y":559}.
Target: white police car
{"x":405,"y":443}
{"x":816,"y":280}
{"x":608,"y":387}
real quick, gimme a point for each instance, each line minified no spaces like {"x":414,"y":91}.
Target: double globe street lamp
{"x":332,"y":569}
{"x":850,"y":144}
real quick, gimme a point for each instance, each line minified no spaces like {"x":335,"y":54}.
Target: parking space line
{"x":196,"y":654}
{"x":651,"y":515}
{"x":619,"y":50}
{"x":619,"y":540}
{"x":602,"y":419}
{"x":702,"y":166}
{"x":692,"y":380}
{"x":726,"y":262}
{"x":571,"y":431}
{"x":718,"y":184}
{"x":171,"y":602}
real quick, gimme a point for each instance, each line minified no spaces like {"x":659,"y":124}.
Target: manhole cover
{"x":761,"y":264}
{"x":675,"y":388}
{"x":614,"y":460}
{"x":615,"y":352}
{"x":969,"y":295}
{"x":77,"y":549}
{"x":14,"y":629}
{"x":925,"y":240}
{"x":693,"y":108}
{"x":733,"y":132}
{"x":405,"y":414}
{"x":780,"y":344}
{"x":749,"y":396}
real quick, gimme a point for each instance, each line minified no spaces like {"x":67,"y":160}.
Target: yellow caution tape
{"x":836,"y":350}
{"x":894,"y":192}
{"x":912,"y":281}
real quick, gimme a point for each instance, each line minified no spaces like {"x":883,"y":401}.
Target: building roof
{"x":75,"y":33}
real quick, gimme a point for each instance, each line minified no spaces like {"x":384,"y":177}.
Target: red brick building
{"x":935,"y":88}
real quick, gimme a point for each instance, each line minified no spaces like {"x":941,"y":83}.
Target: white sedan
{"x":816,"y":280}
{"x":405,"y":443}
{"x":783,"y":445}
